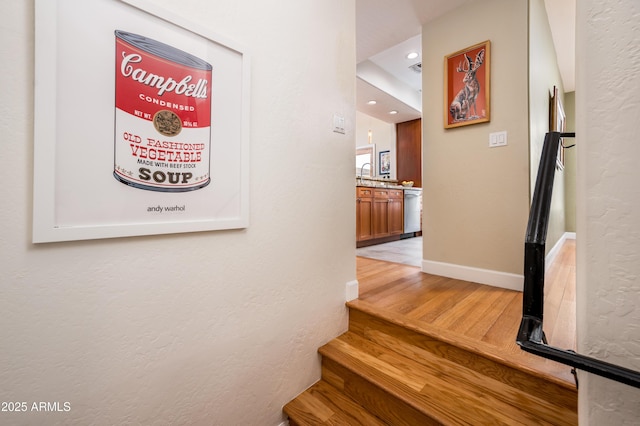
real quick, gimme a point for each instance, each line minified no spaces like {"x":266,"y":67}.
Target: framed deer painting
{"x":467,"y":86}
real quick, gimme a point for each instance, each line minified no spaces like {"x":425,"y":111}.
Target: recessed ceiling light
{"x":393,"y":112}
{"x":412,"y":55}
{"x":372,"y":102}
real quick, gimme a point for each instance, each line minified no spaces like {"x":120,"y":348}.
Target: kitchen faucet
{"x":362,"y":169}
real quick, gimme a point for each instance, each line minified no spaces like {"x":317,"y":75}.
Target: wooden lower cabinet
{"x":364,"y":214}
{"x":380,"y":217}
{"x":379,"y":213}
{"x":396,"y":214}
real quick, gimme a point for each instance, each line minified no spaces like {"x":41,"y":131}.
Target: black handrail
{"x":531,"y":337}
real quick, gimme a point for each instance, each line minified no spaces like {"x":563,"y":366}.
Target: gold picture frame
{"x":467,"y":86}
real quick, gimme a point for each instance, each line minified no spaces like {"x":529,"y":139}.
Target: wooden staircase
{"x":390,"y":369}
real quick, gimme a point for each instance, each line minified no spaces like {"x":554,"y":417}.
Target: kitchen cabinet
{"x":387,"y":212}
{"x":364,"y":214}
{"x":409,"y":151}
{"x":379,"y":213}
{"x":396,"y":212}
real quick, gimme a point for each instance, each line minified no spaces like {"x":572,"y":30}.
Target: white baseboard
{"x":489,"y":277}
{"x":351,"y":291}
{"x":476,"y":275}
{"x":551,"y":256}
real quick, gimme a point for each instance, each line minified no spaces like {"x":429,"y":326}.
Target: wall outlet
{"x":497,"y":139}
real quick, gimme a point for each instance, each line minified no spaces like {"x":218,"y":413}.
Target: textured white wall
{"x":608,"y":210}
{"x":207,"y":328}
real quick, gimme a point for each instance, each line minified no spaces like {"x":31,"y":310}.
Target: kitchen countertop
{"x":370,"y":183}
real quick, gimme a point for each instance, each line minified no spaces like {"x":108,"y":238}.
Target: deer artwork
{"x":466,"y":97}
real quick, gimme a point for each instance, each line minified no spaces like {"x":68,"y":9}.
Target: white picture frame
{"x":76,"y":196}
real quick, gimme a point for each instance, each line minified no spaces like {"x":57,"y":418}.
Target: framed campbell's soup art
{"x":467,"y":86}
{"x":141,"y":123}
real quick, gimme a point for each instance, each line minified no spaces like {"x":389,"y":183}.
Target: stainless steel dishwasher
{"x":412,"y":209}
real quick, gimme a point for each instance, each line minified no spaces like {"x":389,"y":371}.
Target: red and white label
{"x":162,"y":123}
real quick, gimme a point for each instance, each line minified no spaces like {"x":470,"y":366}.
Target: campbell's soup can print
{"x":162,"y":116}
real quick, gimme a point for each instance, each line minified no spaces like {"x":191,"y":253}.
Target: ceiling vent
{"x":416,"y":67}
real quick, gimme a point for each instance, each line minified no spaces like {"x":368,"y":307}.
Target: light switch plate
{"x":338,"y":124}
{"x":497,"y":139}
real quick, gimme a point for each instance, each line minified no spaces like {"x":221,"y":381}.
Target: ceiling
{"x":387,"y":30}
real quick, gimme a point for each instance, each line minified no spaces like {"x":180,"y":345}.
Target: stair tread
{"x":451,"y":394}
{"x":322,"y":404}
{"x":520,"y":360}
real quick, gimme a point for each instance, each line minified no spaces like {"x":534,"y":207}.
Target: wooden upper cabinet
{"x":409,"y":151}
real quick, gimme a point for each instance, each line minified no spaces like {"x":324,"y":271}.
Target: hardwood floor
{"x":560,"y":298}
{"x":486,"y":317}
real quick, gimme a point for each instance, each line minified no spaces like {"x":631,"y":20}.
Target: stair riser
{"x":370,"y":327}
